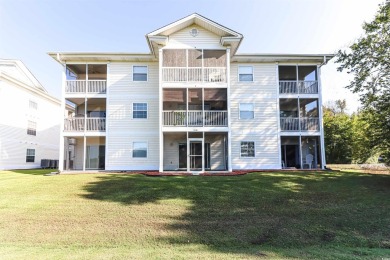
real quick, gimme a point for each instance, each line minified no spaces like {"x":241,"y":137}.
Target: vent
{"x":194,"y":32}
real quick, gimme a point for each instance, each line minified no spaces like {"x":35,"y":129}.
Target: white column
{"x":62,"y":117}
{"x":203,"y":158}
{"x":160,"y":109}
{"x":84,"y":151}
{"x":278,"y":114}
{"x":300,"y":149}
{"x":230,"y":169}
{"x":107,"y":116}
{"x":322,"y":141}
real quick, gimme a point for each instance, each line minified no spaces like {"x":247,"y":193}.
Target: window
{"x":32,"y":128}
{"x":140,"y":150}
{"x":245,"y":73}
{"x":247,"y":149}
{"x":33,"y":105}
{"x":247,"y":111}
{"x":30,"y":155}
{"x":140,"y":73}
{"x":140,"y":110}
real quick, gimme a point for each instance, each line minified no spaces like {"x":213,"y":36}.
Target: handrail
{"x":195,"y":118}
{"x":298,"y":87}
{"x":299,"y":124}
{"x":78,"y":124}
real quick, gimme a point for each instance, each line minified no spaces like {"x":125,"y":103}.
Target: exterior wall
{"x":123,"y":130}
{"x":14,"y":140}
{"x":171,"y":150}
{"x":183,"y":39}
{"x":263,"y":129}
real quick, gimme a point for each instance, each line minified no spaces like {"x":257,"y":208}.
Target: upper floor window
{"x":33,"y":105}
{"x":32,"y":128}
{"x":140,"y":149}
{"x":140,"y":73}
{"x":247,"y":111}
{"x":30,"y":155}
{"x":245,"y":73}
{"x":140,"y":110}
{"x":247,"y":149}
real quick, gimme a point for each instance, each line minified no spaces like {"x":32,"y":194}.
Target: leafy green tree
{"x":368,"y":59}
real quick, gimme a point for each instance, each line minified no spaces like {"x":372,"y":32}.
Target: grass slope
{"x":330,"y":215}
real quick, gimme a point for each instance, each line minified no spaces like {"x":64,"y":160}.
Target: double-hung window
{"x":32,"y":128}
{"x":140,"y":149}
{"x":140,"y":73}
{"x":247,"y":111}
{"x":245,"y":73}
{"x":30,"y":155}
{"x":140,"y":110}
{"x":247,"y":149}
{"x":33,"y":106}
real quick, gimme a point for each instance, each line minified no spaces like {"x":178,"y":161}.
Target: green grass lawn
{"x":329,"y":215}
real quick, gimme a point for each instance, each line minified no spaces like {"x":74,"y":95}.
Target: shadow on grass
{"x":242,"y":214}
{"x":34,"y":171}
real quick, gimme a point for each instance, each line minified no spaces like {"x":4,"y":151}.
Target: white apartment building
{"x":192,"y":104}
{"x":29,"y":124}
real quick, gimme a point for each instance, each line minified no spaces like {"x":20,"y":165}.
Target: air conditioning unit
{"x":72,"y":141}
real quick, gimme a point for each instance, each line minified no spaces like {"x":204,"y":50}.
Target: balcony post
{"x":202,"y":70}
{"x":320,"y":120}
{"x":62,"y":125}
{"x":160,"y":109}
{"x":230,"y":168}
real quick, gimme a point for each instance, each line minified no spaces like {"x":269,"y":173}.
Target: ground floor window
{"x":30,"y":155}
{"x":247,"y":149}
{"x":140,"y":150}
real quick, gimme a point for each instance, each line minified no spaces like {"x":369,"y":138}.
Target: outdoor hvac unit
{"x":72,"y":141}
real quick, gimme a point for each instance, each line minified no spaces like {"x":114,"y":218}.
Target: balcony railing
{"x":298,"y":87}
{"x":299,"y":124}
{"x":195,"y":118}
{"x":78,"y":124}
{"x":80,"y":86}
{"x":194,"y":74}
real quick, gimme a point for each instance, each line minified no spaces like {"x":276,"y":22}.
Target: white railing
{"x":298,"y":87}
{"x":80,"y":86}
{"x":215,"y":118}
{"x":289,"y":124}
{"x":78,"y":124}
{"x":75,"y":86}
{"x":195,"y":118}
{"x":310,"y":124}
{"x":306,"y":124}
{"x":97,"y":86}
{"x":194,"y":74}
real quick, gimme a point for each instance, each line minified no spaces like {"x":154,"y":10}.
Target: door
{"x":95,"y":157}
{"x":196,"y":156}
{"x":183,"y":156}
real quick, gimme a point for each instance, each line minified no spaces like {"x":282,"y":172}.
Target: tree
{"x":368,"y":59}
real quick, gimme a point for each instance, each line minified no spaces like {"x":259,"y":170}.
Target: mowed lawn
{"x":288,"y":215}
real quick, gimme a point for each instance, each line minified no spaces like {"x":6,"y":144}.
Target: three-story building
{"x":192,"y":104}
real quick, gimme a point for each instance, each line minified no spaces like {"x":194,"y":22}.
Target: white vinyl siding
{"x":263,"y":128}
{"x":140,"y":149}
{"x":247,"y":111}
{"x":140,"y":73}
{"x":122,"y":131}
{"x":245,"y":73}
{"x":205,"y":39}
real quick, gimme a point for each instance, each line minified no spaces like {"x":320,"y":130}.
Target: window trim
{"x":254,"y":149}
{"x":132,"y":110}
{"x":238,"y":73}
{"x":147,"y":150}
{"x":27,"y":155}
{"x":32,"y":105}
{"x":30,"y":130}
{"x":147,"y":73}
{"x":239,"y":111}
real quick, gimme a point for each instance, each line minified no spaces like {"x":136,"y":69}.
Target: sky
{"x":31,"y":28}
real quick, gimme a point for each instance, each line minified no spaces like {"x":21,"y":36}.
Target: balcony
{"x":298,"y":87}
{"x":86,"y":86}
{"x":194,"y":74}
{"x":89,"y":124}
{"x":195,"y":118}
{"x":299,"y":124}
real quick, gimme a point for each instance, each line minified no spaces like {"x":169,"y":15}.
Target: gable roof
{"x":16,"y":70}
{"x":228,"y":36}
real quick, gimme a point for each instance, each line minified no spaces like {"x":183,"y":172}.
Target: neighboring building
{"x":192,"y":104}
{"x":29,"y":124}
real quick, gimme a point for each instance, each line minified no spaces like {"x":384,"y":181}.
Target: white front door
{"x":195,"y":162}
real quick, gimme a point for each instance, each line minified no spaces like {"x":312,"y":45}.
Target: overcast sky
{"x":29,"y":29}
